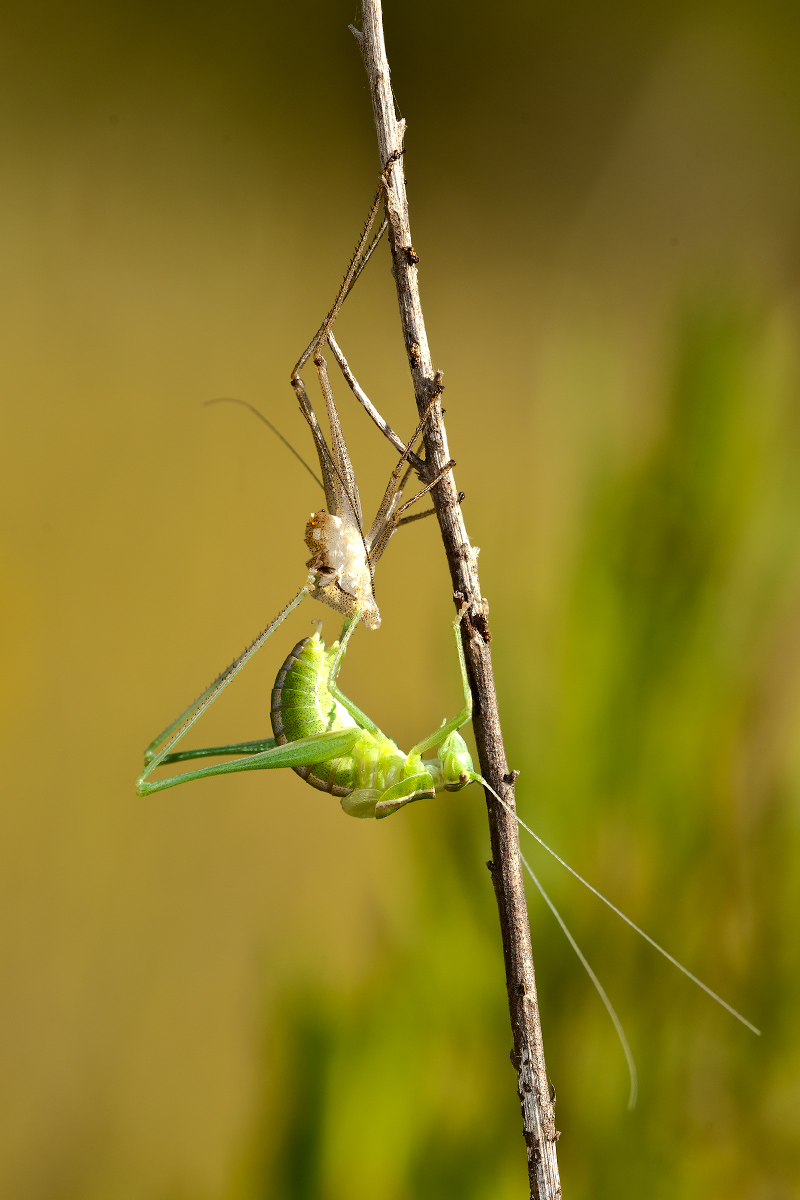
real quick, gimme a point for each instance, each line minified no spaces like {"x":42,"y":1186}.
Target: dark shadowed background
{"x":233,"y":991}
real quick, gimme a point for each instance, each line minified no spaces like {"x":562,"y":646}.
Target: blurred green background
{"x":233,"y":992}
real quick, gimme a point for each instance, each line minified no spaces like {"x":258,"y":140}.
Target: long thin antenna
{"x":628,"y":921}
{"x":634,"y":1092}
{"x":269,"y":425}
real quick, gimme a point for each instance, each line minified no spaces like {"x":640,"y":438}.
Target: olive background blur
{"x":232,"y":991}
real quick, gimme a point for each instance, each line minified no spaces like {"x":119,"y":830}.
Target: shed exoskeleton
{"x":344,"y":553}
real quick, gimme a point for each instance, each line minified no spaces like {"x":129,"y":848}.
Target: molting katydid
{"x":343,"y":552}
{"x":319,"y":732}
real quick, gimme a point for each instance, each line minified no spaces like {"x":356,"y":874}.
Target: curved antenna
{"x":634,"y":1078}
{"x":704,"y":987}
{"x":626,"y":1049}
{"x":641,"y":932}
{"x":269,"y":425}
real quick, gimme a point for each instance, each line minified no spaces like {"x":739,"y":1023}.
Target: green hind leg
{"x":305,"y":752}
{"x":257,"y":747}
{"x":161,"y":746}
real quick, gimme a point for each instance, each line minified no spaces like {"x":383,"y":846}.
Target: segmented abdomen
{"x":302,"y":706}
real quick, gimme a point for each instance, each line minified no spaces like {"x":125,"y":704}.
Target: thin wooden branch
{"x":528,"y":1055}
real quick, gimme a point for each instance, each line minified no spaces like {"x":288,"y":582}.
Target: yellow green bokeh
{"x":234,"y":992}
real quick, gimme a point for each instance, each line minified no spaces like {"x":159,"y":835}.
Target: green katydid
{"x":319,"y":732}
{"x":336,"y":748}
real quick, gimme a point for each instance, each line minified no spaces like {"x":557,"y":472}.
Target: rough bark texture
{"x":528,"y":1055}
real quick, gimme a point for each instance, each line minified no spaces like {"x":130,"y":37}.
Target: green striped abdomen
{"x":302,"y":706}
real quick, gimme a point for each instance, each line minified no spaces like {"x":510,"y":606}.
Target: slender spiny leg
{"x":357,"y":263}
{"x":429,"y":512}
{"x":359,"y":260}
{"x":257,"y":747}
{"x":380,"y":541}
{"x":366,"y":403}
{"x":350,"y":277}
{"x":358,"y":716}
{"x":346,"y":491}
{"x":326,"y":463}
{"x":417,"y":434}
{"x":401,"y":487}
{"x":385,"y":521}
{"x":306,"y":752}
{"x":465,"y":715}
{"x":448,"y":466}
{"x":182,"y":724}
{"x":368,"y":253}
{"x":394,"y":489}
{"x":433,"y":482}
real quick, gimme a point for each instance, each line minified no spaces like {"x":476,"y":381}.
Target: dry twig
{"x":528,"y":1055}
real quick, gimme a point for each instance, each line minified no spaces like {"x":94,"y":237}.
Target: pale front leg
{"x":253,"y":747}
